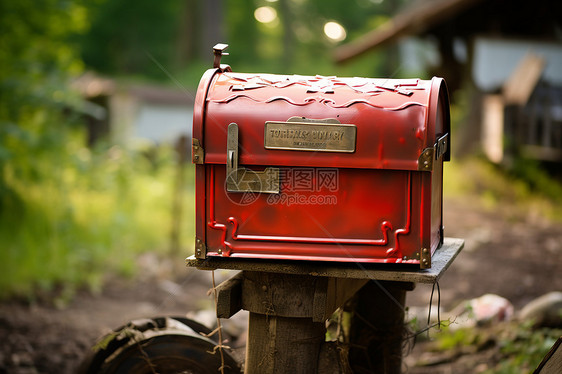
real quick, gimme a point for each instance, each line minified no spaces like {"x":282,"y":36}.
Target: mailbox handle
{"x":241,"y":179}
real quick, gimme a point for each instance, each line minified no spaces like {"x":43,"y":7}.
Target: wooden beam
{"x":229,"y":297}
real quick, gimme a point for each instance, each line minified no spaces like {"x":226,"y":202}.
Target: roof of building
{"x":539,"y":19}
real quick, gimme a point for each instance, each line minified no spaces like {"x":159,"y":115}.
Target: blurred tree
{"x":127,"y":36}
{"x":36,"y":58}
{"x":51,"y":186}
{"x":188,"y":41}
{"x":180,"y":34}
{"x":241,"y":32}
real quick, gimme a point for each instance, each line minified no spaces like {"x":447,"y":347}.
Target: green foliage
{"x":125,"y":36}
{"x":456,"y":338}
{"x":536,"y":178}
{"x":295,"y":42}
{"x":80,"y":215}
{"x":522,"y":348}
{"x":526,"y":189}
{"x":68,"y":214}
{"x":519,"y":348}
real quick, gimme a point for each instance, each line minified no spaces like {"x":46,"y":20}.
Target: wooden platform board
{"x":441,"y":260}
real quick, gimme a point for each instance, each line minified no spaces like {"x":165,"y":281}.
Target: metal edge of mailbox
{"x":438,"y":111}
{"x":443,"y":97}
{"x":199,"y":110}
{"x":442,"y":146}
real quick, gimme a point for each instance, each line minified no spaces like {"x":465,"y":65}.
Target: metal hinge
{"x":425,"y":161}
{"x":241,"y":179}
{"x":200,"y":249}
{"x":425,"y":258}
{"x":197,"y":152}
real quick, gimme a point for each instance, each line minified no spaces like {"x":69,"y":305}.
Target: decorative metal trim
{"x":384,"y":228}
{"x":197,"y":152}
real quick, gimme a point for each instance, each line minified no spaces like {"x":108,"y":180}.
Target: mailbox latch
{"x":241,"y":179}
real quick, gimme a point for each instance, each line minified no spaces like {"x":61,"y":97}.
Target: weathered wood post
{"x":287,"y":317}
{"x":282,"y":335}
{"x":377,"y":326}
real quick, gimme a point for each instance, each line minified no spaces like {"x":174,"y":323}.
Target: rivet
{"x":220,"y":251}
{"x":264,"y":288}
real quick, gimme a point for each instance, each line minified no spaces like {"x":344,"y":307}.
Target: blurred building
{"x":133,"y":113}
{"x":507,"y":54}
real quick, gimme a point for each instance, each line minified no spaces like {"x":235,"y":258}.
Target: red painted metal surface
{"x":370,"y":205}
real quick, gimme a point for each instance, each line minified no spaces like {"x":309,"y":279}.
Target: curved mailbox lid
{"x":395,"y":120}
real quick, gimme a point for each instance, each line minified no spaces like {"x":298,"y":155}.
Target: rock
{"x":483,"y":310}
{"x":491,"y":308}
{"x":544,"y":311}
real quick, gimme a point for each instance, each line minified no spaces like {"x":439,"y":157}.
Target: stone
{"x":486,"y":309}
{"x":544,"y":311}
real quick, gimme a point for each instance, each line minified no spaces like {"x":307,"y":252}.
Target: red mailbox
{"x":319,"y":168}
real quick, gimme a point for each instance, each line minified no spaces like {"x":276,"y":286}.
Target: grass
{"x":518,"y":347}
{"x":524,"y":188}
{"x":87,"y":218}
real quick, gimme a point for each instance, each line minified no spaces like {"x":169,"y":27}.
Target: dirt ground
{"x":515,"y":254}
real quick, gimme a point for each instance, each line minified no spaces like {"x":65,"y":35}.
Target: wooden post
{"x":287,"y":329}
{"x":283,"y":344}
{"x":377,"y":325}
{"x":282,"y":336}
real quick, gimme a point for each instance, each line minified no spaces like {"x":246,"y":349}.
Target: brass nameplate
{"x":303,"y":136}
